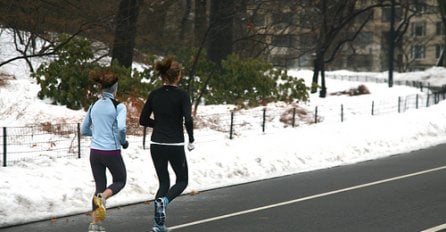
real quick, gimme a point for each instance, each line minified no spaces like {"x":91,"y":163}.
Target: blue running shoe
{"x":160,"y":212}
{"x":158,"y":228}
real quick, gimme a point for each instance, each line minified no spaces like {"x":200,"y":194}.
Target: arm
{"x":188,"y":120}
{"x":144,"y":118}
{"x":86,"y":124}
{"x":121,"y":119}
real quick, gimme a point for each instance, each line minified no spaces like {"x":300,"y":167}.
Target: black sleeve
{"x":144,"y":118}
{"x":188,"y":121}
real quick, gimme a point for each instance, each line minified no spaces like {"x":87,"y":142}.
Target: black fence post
{"x":294,"y":117}
{"x":315,"y":115}
{"x":427,"y":100}
{"x":399,"y":104}
{"x":4,"y":146}
{"x":373,"y":108}
{"x":144,"y":134}
{"x":232,"y":125}
{"x":416,"y":102}
{"x":79,"y":140}
{"x":342,"y":112}
{"x":264,"y":120}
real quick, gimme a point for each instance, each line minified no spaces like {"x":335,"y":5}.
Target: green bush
{"x":65,"y":80}
{"x":250,"y":82}
{"x":253,"y":82}
{"x":135,"y":83}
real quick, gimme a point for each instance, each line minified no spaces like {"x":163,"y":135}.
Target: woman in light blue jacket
{"x":105,"y":122}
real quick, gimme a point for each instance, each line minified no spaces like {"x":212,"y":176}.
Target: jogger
{"x":170,"y":107}
{"x":105,"y":122}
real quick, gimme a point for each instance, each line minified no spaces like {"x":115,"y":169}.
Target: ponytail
{"x":104,"y":76}
{"x":168,"y":69}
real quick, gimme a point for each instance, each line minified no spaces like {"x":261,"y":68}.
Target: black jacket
{"x":170,"y":105}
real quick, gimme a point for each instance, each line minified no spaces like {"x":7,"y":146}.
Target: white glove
{"x":190,"y":146}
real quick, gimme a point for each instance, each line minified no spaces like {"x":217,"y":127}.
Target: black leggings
{"x":115,"y":164}
{"x":175,"y":155}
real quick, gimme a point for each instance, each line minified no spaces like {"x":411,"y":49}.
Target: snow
{"x":51,"y":185}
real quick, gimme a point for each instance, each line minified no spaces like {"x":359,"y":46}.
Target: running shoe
{"x":95,"y":228}
{"x":160,"y":211}
{"x":158,"y":228}
{"x":100,"y":211}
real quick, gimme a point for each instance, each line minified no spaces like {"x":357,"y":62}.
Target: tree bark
{"x":221,"y":30}
{"x":125,"y":32}
{"x":200,"y":21}
{"x":442,"y":8}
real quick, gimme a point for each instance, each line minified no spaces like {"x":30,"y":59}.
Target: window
{"x":282,"y":41}
{"x":420,"y":7}
{"x":386,"y":14}
{"x":365,"y":38}
{"x":283,"y":17}
{"x":418,"y":29}
{"x":418,"y":52}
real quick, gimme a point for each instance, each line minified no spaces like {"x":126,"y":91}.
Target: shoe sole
{"x":159,"y":230}
{"x":97,"y":230}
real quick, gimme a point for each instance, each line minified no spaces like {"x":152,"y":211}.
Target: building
{"x":420,"y":39}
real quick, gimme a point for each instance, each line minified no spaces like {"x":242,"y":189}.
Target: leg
{"x":178,"y":162}
{"x":116,"y":165}
{"x":100,"y":178}
{"x":160,"y":161}
{"x":161,"y":164}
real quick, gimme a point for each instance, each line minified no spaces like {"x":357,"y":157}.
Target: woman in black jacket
{"x":170,"y":107}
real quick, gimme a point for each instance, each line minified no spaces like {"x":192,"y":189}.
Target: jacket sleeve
{"x":121,"y":119}
{"x":144,"y":118}
{"x":188,"y":120}
{"x":86,"y":124}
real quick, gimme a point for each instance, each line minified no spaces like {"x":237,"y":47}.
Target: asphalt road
{"x":405,"y":192}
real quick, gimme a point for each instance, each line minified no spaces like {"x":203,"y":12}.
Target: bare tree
{"x":33,"y":25}
{"x":442,"y":8}
{"x":125,"y":34}
{"x":220,"y":37}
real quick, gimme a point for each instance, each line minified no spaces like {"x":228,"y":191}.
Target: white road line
{"x":435,"y":229}
{"x":305,"y":198}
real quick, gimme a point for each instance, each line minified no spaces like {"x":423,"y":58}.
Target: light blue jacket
{"x":106,"y":124}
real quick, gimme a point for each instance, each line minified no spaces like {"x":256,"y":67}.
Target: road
{"x":405,"y":192}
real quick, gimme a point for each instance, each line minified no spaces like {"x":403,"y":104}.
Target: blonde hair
{"x":169,"y":69}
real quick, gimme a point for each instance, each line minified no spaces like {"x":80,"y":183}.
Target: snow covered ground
{"x":47,"y":187}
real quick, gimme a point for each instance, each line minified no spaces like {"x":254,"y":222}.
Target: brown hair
{"x":104,"y":76}
{"x":168,"y":69}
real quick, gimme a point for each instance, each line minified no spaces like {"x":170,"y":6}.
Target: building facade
{"x":419,"y":40}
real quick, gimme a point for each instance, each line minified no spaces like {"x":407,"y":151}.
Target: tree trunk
{"x":221,"y":30}
{"x":125,"y":33}
{"x":316,"y":68}
{"x":442,"y":8}
{"x":186,"y":24}
{"x":323,"y":91}
{"x":200,"y":22}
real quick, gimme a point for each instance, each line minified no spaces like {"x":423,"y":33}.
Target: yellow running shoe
{"x":100,"y":211}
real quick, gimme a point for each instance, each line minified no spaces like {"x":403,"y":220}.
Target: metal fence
{"x":64,"y":140}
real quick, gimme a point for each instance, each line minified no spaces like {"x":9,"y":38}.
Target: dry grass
{"x":4,"y":78}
